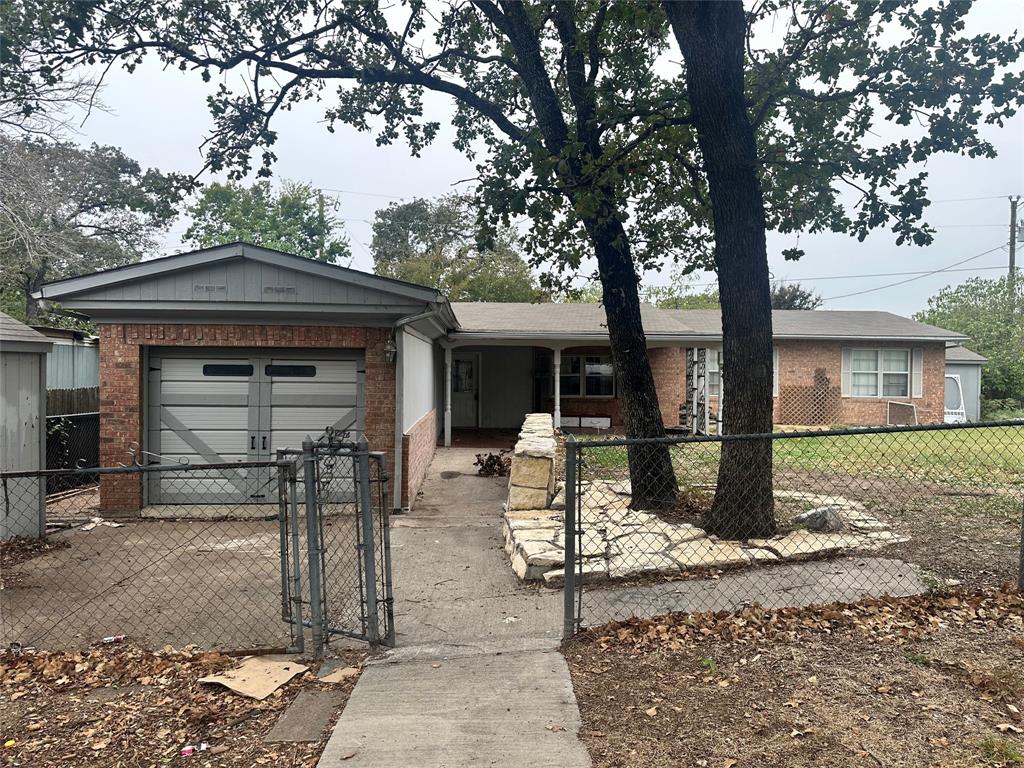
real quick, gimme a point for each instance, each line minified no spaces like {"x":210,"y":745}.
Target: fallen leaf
{"x":347,"y":756}
{"x":651,"y":712}
{"x":1004,"y":727}
{"x":555,"y":728}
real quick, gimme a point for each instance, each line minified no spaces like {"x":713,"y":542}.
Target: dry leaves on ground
{"x":122,"y":705}
{"x":930,"y":680}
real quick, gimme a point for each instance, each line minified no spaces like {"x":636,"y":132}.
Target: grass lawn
{"x":993,"y":456}
{"x":926,"y":681}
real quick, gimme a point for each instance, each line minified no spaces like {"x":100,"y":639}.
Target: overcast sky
{"x":160,"y":118}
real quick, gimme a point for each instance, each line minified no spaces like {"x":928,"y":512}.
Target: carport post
{"x":569,"y":566}
{"x":313,"y":545}
{"x":369,"y":555}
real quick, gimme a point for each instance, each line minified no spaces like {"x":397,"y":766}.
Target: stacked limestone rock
{"x":532,"y":479}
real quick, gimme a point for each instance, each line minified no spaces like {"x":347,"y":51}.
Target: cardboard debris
{"x":340,"y":675}
{"x":257,"y":676}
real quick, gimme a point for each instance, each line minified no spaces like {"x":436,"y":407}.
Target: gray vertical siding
{"x":22,"y":443}
{"x":970,"y":380}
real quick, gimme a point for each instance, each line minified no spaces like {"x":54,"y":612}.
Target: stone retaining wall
{"x":532,"y":478}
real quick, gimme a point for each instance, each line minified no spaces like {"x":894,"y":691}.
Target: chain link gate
{"x":335,"y":543}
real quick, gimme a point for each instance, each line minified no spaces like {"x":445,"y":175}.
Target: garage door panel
{"x":337,"y":371}
{"x":211,"y":416}
{"x":235,"y":406}
{"x":308,"y":418}
{"x":219,"y":442}
{"x":212,"y":368}
{"x":206,"y":388}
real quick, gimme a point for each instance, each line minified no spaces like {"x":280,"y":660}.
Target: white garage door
{"x":228,"y":406}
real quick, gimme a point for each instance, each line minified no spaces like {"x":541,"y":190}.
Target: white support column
{"x":556,"y":417}
{"x":706,"y":426}
{"x":447,"y":397}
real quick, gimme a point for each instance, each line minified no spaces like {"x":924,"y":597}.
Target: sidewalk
{"x":476,"y":679}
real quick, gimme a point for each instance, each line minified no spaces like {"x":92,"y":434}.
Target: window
{"x":463,"y":379}
{"x":227,"y":369}
{"x":714,"y":372}
{"x":587,"y":376}
{"x":296,"y":371}
{"x":880,"y":373}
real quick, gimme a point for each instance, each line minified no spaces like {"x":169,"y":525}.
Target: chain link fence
{"x":712,"y":523}
{"x":214,"y":569}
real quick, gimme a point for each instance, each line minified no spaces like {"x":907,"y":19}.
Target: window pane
{"x":895,"y":385}
{"x":463,"y":379}
{"x":865,"y":360}
{"x":865,"y":385}
{"x":298,"y":371}
{"x":600,"y":376}
{"x":227,"y":369}
{"x":570,"y":386}
{"x":896,"y":360}
{"x":714,"y":382}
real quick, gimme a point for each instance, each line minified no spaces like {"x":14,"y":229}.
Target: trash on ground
{"x":340,"y":675}
{"x":256,"y":677}
{"x":95,"y":522}
{"x":113,"y":639}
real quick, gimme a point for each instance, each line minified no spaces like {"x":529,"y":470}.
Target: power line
{"x":919,"y":277}
{"x":968,"y":199}
{"x":364,"y":194}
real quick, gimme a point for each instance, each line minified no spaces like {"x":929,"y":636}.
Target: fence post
{"x":1020,"y":559}
{"x":295,"y":591}
{"x":569,"y":567}
{"x":313,"y":545}
{"x":369,"y":553}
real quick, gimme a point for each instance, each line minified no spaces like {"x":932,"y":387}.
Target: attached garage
{"x":227,"y":354}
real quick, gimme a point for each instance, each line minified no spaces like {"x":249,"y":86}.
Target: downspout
{"x":399,"y":468}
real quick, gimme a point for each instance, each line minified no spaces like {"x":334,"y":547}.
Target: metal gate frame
{"x":354,"y":574}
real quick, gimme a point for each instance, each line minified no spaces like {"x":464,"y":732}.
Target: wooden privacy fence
{"x":60,"y":402}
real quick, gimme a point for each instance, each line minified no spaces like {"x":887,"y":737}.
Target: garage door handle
{"x":252,"y":442}
{"x":264,"y":442}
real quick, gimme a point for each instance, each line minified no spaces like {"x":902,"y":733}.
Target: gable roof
{"x":521,"y":319}
{"x":16,"y":335}
{"x":961,"y":354}
{"x":826,"y":324}
{"x":205,"y":257}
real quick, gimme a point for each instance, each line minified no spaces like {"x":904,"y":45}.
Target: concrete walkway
{"x":476,"y":679}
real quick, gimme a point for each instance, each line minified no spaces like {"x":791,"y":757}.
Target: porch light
{"x":390,"y":349}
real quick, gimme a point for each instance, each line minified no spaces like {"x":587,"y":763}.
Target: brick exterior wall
{"x":121,"y":383}
{"x":668,"y":364}
{"x":418,"y":446}
{"x":810,"y":385}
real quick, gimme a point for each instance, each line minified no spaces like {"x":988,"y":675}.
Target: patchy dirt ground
{"x":119,"y":705}
{"x":926,"y":681}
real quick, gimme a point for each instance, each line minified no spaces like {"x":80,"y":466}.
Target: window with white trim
{"x":587,"y":376}
{"x":714,"y":372}
{"x":880,"y":372}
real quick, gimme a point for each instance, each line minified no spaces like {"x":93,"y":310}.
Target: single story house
{"x":227,"y":353}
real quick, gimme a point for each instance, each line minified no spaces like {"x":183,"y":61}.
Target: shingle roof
{"x":959,"y":354}
{"x":554,"y":319}
{"x":825,"y":324}
{"x":589,"y":319}
{"x":12,"y":330}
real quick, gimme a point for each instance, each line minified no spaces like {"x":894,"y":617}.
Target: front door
{"x":465,"y":390}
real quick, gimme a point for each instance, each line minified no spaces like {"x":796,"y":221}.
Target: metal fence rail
{"x":707,"y":523}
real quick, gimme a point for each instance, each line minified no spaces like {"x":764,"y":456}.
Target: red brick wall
{"x":668,"y":364}
{"x":121,"y":382}
{"x":805,"y":363}
{"x":418,"y":446}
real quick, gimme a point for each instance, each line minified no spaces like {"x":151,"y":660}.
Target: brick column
{"x":668,"y":364}
{"x":120,"y":415}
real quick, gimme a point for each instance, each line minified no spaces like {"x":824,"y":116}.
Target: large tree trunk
{"x":652,"y":478}
{"x":31,"y":284}
{"x":711,"y":36}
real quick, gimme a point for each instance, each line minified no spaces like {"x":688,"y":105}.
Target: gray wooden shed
{"x":23,"y":430}
{"x":964,"y":365}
